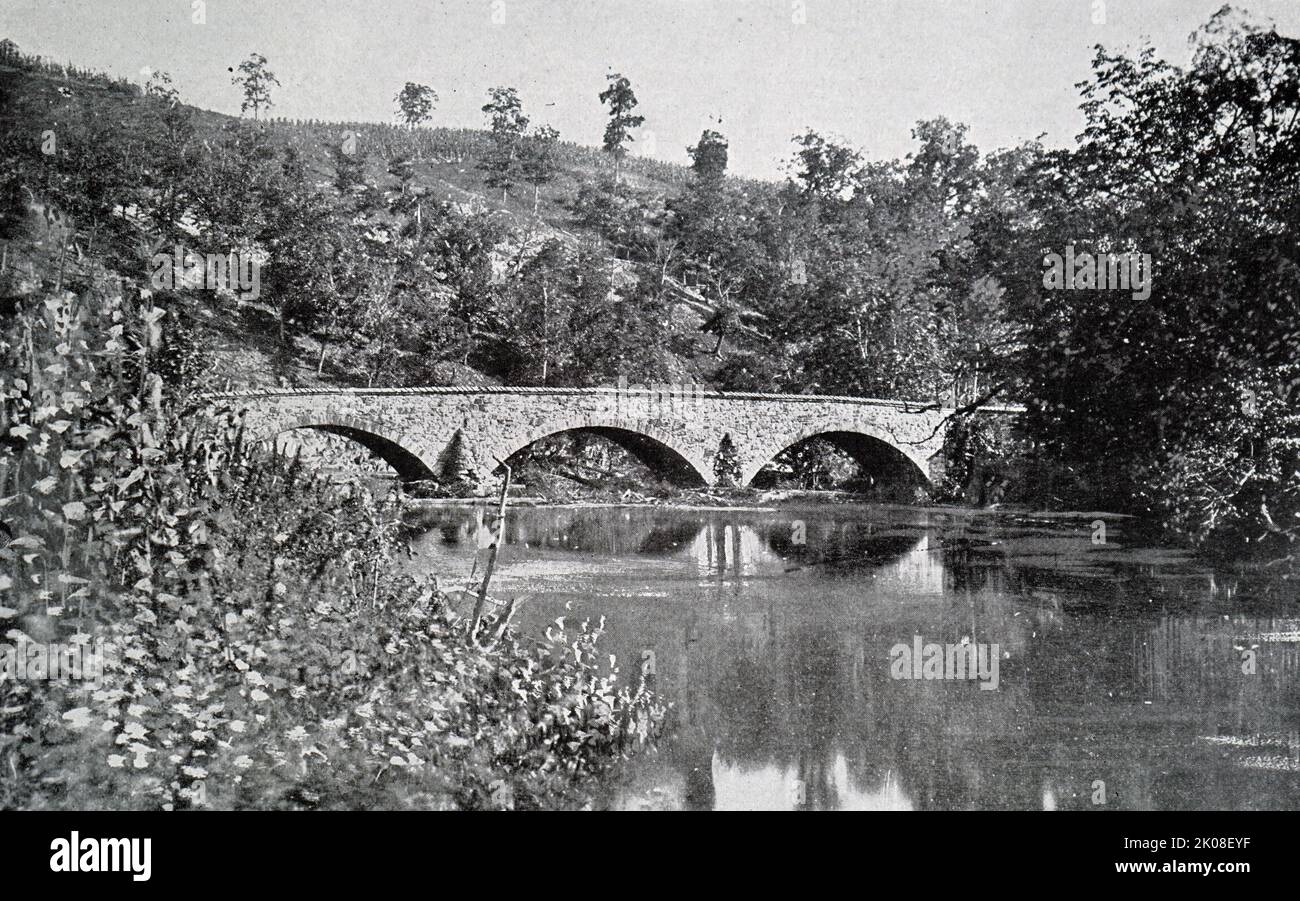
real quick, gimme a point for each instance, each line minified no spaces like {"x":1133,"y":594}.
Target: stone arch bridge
{"x":676,"y":431}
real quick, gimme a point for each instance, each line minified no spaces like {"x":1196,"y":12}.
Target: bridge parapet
{"x":677,"y":433}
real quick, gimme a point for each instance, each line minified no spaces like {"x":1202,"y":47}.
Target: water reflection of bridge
{"x":737,"y":550}
{"x":776,"y":657}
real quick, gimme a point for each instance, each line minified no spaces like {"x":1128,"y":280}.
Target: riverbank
{"x":751,"y":500}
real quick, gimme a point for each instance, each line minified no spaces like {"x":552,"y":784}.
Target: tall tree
{"x":508,"y":123}
{"x":255,"y":78}
{"x":539,"y":303}
{"x":826,"y":168}
{"x":539,"y":164}
{"x":415,"y":103}
{"x":1177,"y":397}
{"x":170,"y":141}
{"x":709,"y":156}
{"x":618,"y":131}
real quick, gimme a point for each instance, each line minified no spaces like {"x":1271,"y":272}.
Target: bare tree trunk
{"x":546,"y":349}
{"x":492,"y":556}
{"x":63,"y":255}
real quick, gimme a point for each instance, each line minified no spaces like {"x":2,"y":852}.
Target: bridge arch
{"x":659,"y":451}
{"x":874,"y":450}
{"x":408,"y":465}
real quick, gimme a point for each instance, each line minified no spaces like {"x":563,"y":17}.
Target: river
{"x":794,"y":646}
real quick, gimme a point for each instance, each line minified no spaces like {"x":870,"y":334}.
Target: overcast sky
{"x":767,"y":69}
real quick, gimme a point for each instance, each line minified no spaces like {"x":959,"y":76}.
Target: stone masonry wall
{"x":687,"y":426}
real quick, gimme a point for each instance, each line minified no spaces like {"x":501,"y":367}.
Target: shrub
{"x":1236,"y":483}
{"x":726,"y":463}
{"x":263,"y":646}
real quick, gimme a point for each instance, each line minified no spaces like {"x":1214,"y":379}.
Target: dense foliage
{"x":400,"y":255}
{"x":262,"y":644}
{"x":1185,"y":403}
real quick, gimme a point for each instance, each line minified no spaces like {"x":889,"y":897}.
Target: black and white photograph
{"x":650,"y":406}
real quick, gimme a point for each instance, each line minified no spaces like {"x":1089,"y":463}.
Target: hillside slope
{"x":248,"y":348}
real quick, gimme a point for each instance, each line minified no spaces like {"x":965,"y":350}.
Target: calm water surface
{"x":1128,"y":677}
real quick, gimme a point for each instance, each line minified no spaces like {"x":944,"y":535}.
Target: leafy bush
{"x":726,"y":463}
{"x":263,"y":647}
{"x":1237,"y":482}
{"x":985,"y":462}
